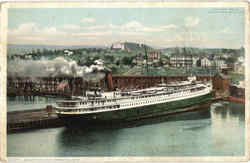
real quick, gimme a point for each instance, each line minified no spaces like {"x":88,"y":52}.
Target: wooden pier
{"x":32,"y":119}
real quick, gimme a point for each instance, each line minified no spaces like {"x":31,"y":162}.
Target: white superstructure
{"x":111,"y":101}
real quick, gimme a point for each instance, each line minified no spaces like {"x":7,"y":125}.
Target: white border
{"x":105,"y":4}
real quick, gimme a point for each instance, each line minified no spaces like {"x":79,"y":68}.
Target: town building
{"x":118,"y":46}
{"x":154,"y":55}
{"x":178,"y":60}
{"x":240,"y":59}
{"x":205,"y":62}
{"x":219,"y":63}
{"x":195,"y":61}
{"x":239,"y":68}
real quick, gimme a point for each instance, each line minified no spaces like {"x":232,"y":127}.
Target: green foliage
{"x":232,"y":59}
{"x":127,"y":60}
{"x":236,"y":77}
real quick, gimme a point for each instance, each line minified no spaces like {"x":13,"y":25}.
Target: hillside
{"x":203,"y":51}
{"x":22,"y":49}
{"x":135,"y":46}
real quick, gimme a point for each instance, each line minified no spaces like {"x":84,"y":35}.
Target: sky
{"x":158,"y":27}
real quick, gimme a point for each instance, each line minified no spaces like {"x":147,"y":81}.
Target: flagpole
{"x":72,"y":92}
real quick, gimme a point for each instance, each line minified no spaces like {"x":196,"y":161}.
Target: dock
{"x":47,"y":118}
{"x":33,"y":119}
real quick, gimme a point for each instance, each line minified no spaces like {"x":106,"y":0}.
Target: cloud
{"x":71,"y":27}
{"x":25,"y":28}
{"x":33,"y":29}
{"x":101,"y":27}
{"x":93,"y":33}
{"x":137,"y":26}
{"x":133,"y":24}
{"x":32,"y":33}
{"x":88,"y":20}
{"x":132,"y":27}
{"x":170,"y":26}
{"x":227,"y":30}
{"x":105,"y":34}
{"x":192,"y":21}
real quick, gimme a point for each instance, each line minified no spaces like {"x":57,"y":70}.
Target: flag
{"x":63,"y":84}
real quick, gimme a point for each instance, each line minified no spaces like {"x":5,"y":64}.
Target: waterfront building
{"x":221,"y":82}
{"x":219,"y":63}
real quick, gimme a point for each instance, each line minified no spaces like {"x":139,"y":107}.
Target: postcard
{"x":124,"y":81}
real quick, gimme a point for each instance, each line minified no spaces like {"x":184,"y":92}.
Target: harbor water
{"x":217,"y":131}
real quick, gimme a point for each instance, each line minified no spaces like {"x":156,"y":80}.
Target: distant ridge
{"x":52,"y":46}
{"x":135,"y":46}
{"x":22,"y":49}
{"x":199,"y":51}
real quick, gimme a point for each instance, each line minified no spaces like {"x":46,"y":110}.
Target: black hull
{"x":120,"y":117}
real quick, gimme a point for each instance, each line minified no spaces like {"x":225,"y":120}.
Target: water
{"x":28,"y":103}
{"x":215,"y":132}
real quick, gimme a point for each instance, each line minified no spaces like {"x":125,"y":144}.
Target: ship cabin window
{"x":68,"y":104}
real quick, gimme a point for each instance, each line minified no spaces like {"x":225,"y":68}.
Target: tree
{"x":127,"y":60}
{"x":231,"y":60}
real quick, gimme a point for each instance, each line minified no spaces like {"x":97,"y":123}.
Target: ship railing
{"x":91,"y":109}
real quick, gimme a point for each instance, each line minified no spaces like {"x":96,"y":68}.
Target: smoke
{"x":59,"y":67}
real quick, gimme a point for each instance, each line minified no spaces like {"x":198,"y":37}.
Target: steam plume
{"x":59,"y":67}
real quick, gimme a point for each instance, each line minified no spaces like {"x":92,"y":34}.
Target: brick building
{"x":154,"y":55}
{"x":221,"y":82}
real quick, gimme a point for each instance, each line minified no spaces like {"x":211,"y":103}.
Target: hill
{"x":203,"y":51}
{"x":22,"y":49}
{"x":135,"y":46}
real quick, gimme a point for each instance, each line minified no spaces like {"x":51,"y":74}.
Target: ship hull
{"x":117,"y":117}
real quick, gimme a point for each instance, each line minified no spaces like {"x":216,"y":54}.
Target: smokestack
{"x":109,"y":81}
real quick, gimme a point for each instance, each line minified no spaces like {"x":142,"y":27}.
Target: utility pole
{"x":146,"y":58}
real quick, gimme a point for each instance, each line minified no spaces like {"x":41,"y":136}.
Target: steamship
{"x":130,"y":105}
